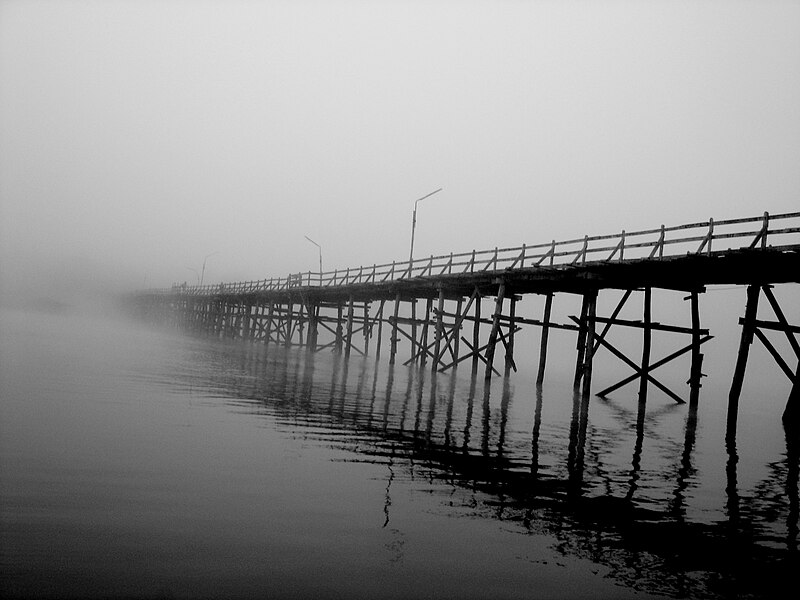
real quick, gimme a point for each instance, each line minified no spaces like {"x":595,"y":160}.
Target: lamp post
{"x":414,"y":226}
{"x":320,"y":256}
{"x":411,"y":261}
{"x":202,"y":275}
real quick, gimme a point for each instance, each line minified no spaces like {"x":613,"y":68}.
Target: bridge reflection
{"x":464,"y":433}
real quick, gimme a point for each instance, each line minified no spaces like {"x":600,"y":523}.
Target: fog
{"x":140,"y":139}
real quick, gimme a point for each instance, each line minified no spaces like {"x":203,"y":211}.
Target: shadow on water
{"x":423,"y":424}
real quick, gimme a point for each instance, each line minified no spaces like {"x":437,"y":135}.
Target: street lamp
{"x":414,"y":225}
{"x":202,"y":275}
{"x":320,"y":256}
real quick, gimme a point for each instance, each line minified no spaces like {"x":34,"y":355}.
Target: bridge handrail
{"x":577,"y":251}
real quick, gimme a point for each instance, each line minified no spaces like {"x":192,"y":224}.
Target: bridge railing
{"x":663,"y":242}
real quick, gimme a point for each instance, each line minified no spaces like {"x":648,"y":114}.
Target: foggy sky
{"x":139,"y":137}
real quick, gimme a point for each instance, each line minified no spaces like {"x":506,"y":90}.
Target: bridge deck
{"x":751,"y":250}
{"x":691,"y":272}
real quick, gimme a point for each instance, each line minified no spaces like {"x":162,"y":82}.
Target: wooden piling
{"x":456,"y":335}
{"x":581,"y":344}
{"x":413,"y":326}
{"x":366,"y":328}
{"x":588,"y":358}
{"x":339,"y":330}
{"x":439,"y":331}
{"x":287,"y":340}
{"x":647,"y":335}
{"x":313,"y":327}
{"x":423,"y":350}
{"x":393,"y":341}
{"x":791,"y":414}
{"x":270,"y":317}
{"x":349,"y":339}
{"x":498,"y":310}
{"x":476,"y":333}
{"x":548,"y":305}
{"x":379,"y":317}
{"x":748,"y":327}
{"x":511,"y":332}
{"x":696,"y":372}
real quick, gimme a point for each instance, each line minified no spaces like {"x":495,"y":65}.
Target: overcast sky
{"x":139,"y":137}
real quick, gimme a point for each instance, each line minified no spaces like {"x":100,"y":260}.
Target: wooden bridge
{"x":344,"y":310}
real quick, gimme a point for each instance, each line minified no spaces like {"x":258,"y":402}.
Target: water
{"x":141,"y":463}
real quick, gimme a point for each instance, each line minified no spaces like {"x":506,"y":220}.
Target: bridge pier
{"x":753,"y":328}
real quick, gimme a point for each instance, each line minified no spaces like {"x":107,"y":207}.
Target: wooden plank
{"x":654,"y":326}
{"x":782,"y":320}
{"x":614,"y":314}
{"x":775,"y":354}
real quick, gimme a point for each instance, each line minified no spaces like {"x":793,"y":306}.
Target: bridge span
{"x":432,"y":306}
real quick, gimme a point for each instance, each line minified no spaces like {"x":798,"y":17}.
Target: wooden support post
{"x":301,"y":322}
{"x":439,"y":330}
{"x":379,"y":316}
{"x":424,"y":345}
{"x":413,"y":325}
{"x":476,"y":333}
{"x":511,"y":332}
{"x":349,"y":340}
{"x":223,"y":319}
{"x":270,"y":314}
{"x":393,"y":341}
{"x":646,"y":344}
{"x":748,"y":327}
{"x":498,"y":310}
{"x":313,"y":328}
{"x":230,"y":325}
{"x":548,"y":305}
{"x":696,"y":370}
{"x":791,"y":414}
{"x":367,"y":328}
{"x":456,"y":335}
{"x":581,"y":345}
{"x":589,"y":347}
{"x":338,"y":343}
{"x":288,"y":323}
{"x":251,"y":322}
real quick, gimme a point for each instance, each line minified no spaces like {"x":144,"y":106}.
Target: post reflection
{"x":636,"y":464}
{"x":577,"y":440}
{"x":792,"y":477}
{"x":410,"y":420}
{"x":537,"y":425}
{"x":686,"y":471}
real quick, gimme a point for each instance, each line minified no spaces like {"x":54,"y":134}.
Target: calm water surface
{"x":139,"y":463}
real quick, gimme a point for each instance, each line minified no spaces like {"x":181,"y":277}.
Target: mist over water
{"x":143,"y":463}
